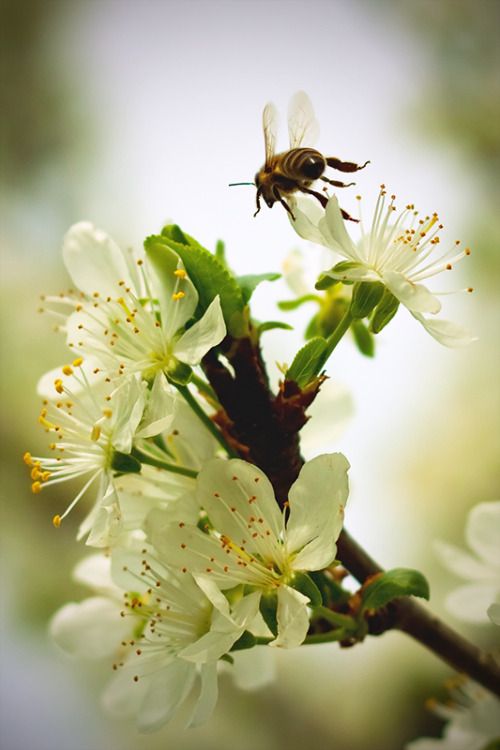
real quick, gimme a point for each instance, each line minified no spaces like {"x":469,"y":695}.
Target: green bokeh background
{"x":434,"y":450}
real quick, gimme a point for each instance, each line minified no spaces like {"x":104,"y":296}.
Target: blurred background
{"x":129,"y":114}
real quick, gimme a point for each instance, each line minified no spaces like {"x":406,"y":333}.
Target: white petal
{"x":461,"y":563}
{"x":202,"y":336}
{"x":337,"y":230}
{"x":293,"y":618}
{"x":494,"y":613}
{"x":471,"y":602}
{"x":355,"y":273}
{"x":94,"y":261}
{"x":189,"y":440}
{"x":160,"y":408}
{"x":45,"y":386}
{"x":317,"y":500}
{"x":234,"y":492}
{"x":94,"y":571}
{"x":307,"y":217}
{"x":104,"y":522}
{"x":253,"y":668}
{"x":91,"y":629}
{"x":416,"y":297}
{"x":329,"y":416}
{"x":168,"y":688}
{"x":127,"y":405}
{"x":483,"y":533}
{"x":175,"y":311}
{"x":446,"y":332}
{"x":207,"y":699}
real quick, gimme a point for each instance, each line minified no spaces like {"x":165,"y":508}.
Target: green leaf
{"x":250,"y":282}
{"x":304,"y":583}
{"x":308,"y":362}
{"x":210,"y":278}
{"x":220,"y":253}
{"x":293,"y":304}
{"x":313,"y":328}
{"x":363,"y":338}
{"x":269,"y":325}
{"x":384,"y":312}
{"x":123,"y":463}
{"x":365,"y":296}
{"x":392,"y":584}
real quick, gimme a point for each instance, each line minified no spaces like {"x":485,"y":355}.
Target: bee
{"x":298,"y":168}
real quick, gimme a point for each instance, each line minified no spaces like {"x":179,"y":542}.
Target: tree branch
{"x":264,"y":428}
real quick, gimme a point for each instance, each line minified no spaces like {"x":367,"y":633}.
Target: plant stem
{"x":193,"y":403}
{"x":335,"y":618}
{"x":338,"y":333}
{"x":144,"y":459}
{"x":407,"y":615}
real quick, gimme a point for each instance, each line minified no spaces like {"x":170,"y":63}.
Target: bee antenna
{"x":233,"y":184}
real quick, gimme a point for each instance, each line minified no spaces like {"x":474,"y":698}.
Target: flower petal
{"x":293,"y":618}
{"x":168,"y":689}
{"x":483,"y":533}
{"x":207,"y":699}
{"x":334,"y":225}
{"x":461,"y":563}
{"x":91,"y":629}
{"x":471,"y":602}
{"x":160,"y":411}
{"x":236,"y":496}
{"x":253,"y":668}
{"x":94,"y":261}
{"x":317,"y":500}
{"x":206,"y":333}
{"x":416,"y":297}
{"x":446,"y":332}
{"x":94,"y":571}
{"x":307,"y":217}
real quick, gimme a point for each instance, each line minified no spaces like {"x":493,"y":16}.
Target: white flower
{"x":134,"y":319}
{"x":473,"y":718}
{"x":92,"y":427}
{"x":481,"y":566}
{"x":400,"y":252}
{"x":253,"y":543}
{"x":168,"y":630}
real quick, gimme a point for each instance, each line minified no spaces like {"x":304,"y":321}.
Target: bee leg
{"x":257,"y":198}
{"x":322,"y":199}
{"x":344,"y":166}
{"x":347,"y":216}
{"x":283,"y":202}
{"x":337,"y":183}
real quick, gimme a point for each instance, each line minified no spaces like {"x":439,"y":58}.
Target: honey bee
{"x":298,"y":168}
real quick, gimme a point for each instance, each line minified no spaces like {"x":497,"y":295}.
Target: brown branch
{"x":410,"y":617}
{"x":265,"y":429}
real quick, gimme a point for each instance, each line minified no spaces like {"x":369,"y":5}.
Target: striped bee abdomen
{"x":303,"y":164}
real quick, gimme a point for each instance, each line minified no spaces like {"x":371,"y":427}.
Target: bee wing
{"x":302,"y":124}
{"x":270,"y":126}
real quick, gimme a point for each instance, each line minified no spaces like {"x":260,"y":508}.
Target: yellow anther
{"x":36,"y":487}
{"x":27,"y":458}
{"x":58,"y":385}
{"x":45,"y":476}
{"x":57,"y":521}
{"x":180,"y":273}
{"x":108,"y":413}
{"x":77,"y":362}
{"x":67,"y":370}
{"x":35,"y":473}
{"x":45,"y":423}
{"x":178,"y":295}
{"x":96,"y":433}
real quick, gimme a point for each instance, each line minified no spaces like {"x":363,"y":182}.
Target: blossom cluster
{"x":199,"y":562}
{"x":193,"y":544}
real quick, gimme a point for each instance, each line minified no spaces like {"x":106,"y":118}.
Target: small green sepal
{"x":336,"y":274}
{"x":179,"y":373}
{"x":394,"y":583}
{"x":365,"y":297}
{"x":363,"y":338}
{"x":246,"y":640}
{"x":270,"y":325}
{"x":305,"y":584}
{"x":249,"y":283}
{"x":124,"y":463}
{"x":384,"y":312}
{"x":268,"y":609}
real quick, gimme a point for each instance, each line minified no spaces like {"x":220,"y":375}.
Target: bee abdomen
{"x":303,"y":164}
